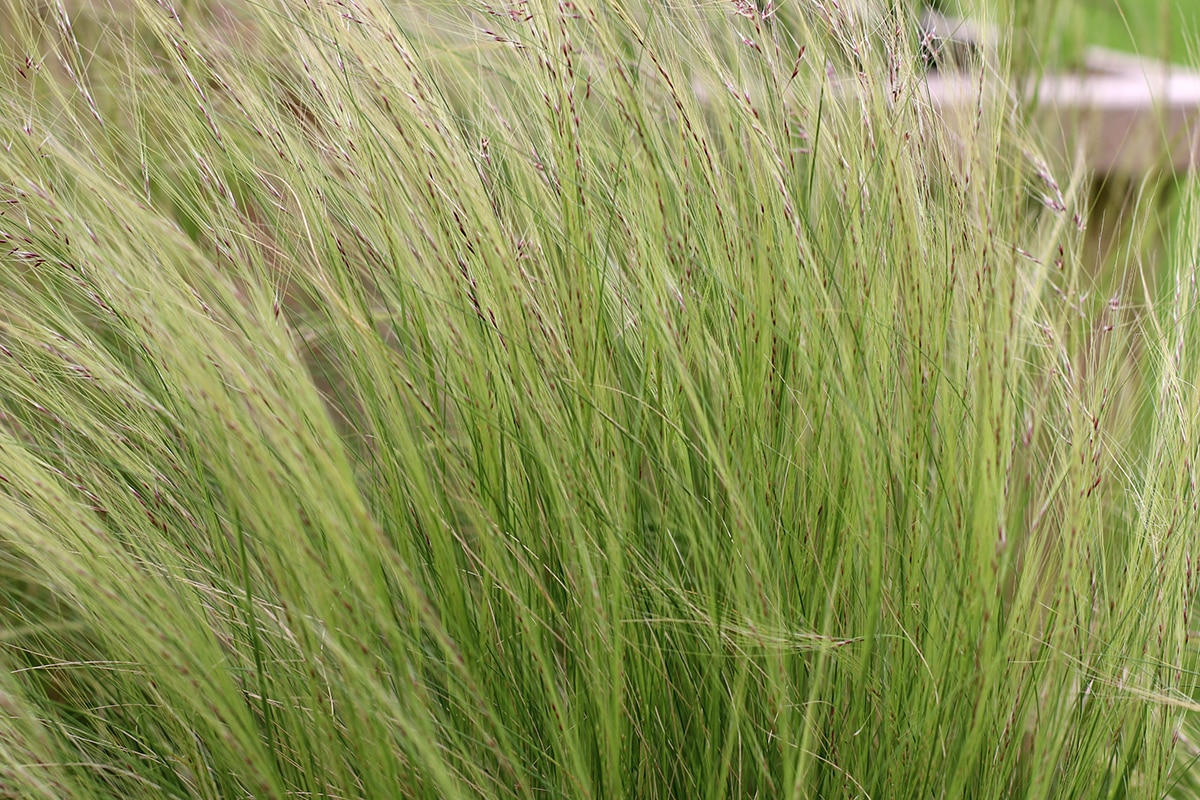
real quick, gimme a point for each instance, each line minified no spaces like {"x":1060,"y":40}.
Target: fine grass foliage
{"x":572,"y":399}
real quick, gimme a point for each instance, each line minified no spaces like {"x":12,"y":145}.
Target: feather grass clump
{"x":568,"y":399}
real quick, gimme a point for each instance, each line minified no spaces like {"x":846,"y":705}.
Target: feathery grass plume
{"x":569,"y":399}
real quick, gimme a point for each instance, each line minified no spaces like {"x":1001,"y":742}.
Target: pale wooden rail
{"x":1124,"y":115}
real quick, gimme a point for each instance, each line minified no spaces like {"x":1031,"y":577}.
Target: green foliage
{"x":1163,"y":29}
{"x":570,"y":399}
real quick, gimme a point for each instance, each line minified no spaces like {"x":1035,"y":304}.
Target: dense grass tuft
{"x":571,"y":399}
